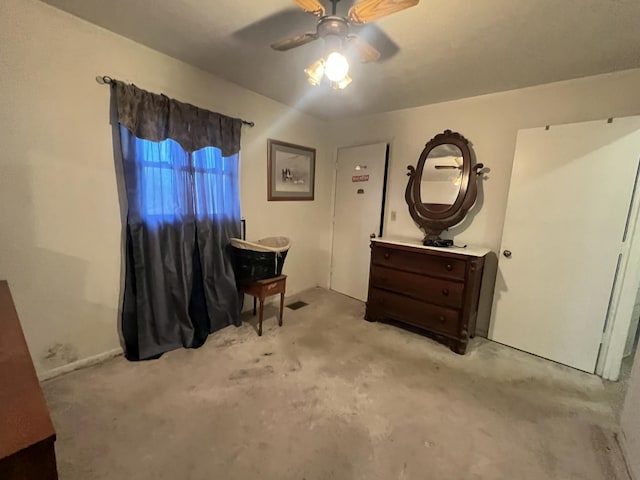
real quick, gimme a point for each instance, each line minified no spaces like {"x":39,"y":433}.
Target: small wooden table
{"x":262,"y":289}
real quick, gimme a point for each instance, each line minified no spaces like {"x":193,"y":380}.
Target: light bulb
{"x":336,"y":67}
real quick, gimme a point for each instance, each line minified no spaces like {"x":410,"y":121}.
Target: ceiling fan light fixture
{"x":336,"y":67}
{"x":315,"y":72}
{"x":335,"y":31}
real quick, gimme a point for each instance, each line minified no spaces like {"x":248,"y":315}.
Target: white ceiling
{"x":448,"y":49}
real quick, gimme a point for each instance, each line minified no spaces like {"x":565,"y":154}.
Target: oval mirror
{"x":443,"y":186}
{"x":441,"y":177}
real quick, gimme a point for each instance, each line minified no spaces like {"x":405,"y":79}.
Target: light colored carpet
{"x":330,"y":396}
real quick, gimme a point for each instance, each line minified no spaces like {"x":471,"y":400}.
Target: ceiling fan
{"x":335,"y":31}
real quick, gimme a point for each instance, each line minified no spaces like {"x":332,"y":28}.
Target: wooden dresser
{"x":434,"y":289}
{"x":26,"y":431}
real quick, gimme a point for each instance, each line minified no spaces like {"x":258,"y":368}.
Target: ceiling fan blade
{"x":366,"y":52}
{"x":311,"y":6}
{"x":293,"y":42}
{"x":372,"y":10}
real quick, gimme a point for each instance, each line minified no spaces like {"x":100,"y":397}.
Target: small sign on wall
{"x":360,"y":178}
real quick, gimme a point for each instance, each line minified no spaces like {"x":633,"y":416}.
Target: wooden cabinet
{"x":26,"y":432}
{"x":434,"y":289}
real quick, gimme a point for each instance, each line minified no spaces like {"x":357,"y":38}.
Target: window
{"x":216,"y":184}
{"x":173,"y":184}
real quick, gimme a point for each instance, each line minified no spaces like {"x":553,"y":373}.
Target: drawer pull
{"x":449,"y":267}
{"x":387,"y":255}
{"x":441,"y":318}
{"x":445,"y":291}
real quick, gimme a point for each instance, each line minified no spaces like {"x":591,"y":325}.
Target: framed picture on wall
{"x":291,"y":171}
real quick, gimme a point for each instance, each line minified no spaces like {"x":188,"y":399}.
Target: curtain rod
{"x":107,"y":80}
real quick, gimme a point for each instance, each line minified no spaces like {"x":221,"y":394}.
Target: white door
{"x":569,"y":199}
{"x":360,"y":181}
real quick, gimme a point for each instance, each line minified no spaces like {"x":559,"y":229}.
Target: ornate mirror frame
{"x":434,"y":221}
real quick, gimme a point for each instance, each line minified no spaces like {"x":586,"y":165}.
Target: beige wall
{"x":491,"y":123}
{"x":59,"y":213}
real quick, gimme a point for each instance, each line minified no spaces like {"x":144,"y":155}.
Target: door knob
{"x":507,"y":253}
{"x":373,"y":235}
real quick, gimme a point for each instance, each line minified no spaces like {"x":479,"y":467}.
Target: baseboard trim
{"x":78,"y":364}
{"x":620,"y":438}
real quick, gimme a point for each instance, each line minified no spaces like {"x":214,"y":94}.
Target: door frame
{"x":623,"y":294}
{"x":384,"y":206}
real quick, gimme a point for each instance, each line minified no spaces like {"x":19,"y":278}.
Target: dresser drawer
{"x":429,"y":289}
{"x":408,"y":310}
{"x":418,"y":262}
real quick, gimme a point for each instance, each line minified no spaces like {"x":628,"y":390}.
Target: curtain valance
{"x":156,"y":117}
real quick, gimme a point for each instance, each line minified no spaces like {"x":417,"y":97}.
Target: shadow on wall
{"x":122,"y":203}
{"x":486,"y":294}
{"x":500,"y":287}
{"x":49,"y":287}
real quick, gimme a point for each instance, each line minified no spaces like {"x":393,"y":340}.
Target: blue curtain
{"x":183,"y":207}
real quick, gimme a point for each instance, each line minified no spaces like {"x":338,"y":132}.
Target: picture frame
{"x":291,"y":171}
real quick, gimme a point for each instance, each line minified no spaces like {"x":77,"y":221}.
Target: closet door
{"x":360,"y":182}
{"x":569,"y":198}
